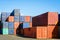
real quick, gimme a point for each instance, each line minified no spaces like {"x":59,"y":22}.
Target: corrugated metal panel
{"x":21,"y":18}
{"x":10,"y":31}
{"x":5,"y":31}
{"x":16,"y":18}
{"x":10,"y":25}
{"x":5,"y":24}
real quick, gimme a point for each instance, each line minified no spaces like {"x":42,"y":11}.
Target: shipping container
{"x":1,"y":25}
{"x":52,"y":31}
{"x":45,"y":19}
{"x":11,"y":25}
{"x":16,"y":18}
{"x":8,"y":14}
{"x":41,"y":32}
{"x":3,"y":14}
{"x":11,"y":19}
{"x":15,"y":31}
{"x":28,"y":19}
{"x":25,"y":25}
{"x":22,"y":31}
{"x":16,"y":12}
{"x":16,"y":24}
{"x":21,"y":18}
{"x":30,"y":32}
{"x":5,"y":24}
{"x":10,"y":31}
{"x":4,"y":19}
{"x":1,"y":31}
{"x":27,"y":32}
{"x":5,"y":31}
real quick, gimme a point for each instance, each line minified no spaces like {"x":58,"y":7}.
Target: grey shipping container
{"x":5,"y":24}
{"x":8,"y":14}
{"x":16,"y":18}
{"x":11,"y":25}
{"x":16,"y":11}
{"x":21,"y":18}
{"x":30,"y":19}
{"x":3,"y":14}
{"x":3,"y":19}
{"x":10,"y":31}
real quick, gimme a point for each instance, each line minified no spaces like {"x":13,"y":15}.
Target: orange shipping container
{"x":11,"y":19}
{"x":52,"y":31}
{"x":30,"y":24}
{"x":41,"y":32}
{"x":14,"y":31}
{"x":36,"y":32}
{"x":16,"y":24}
{"x":27,"y":18}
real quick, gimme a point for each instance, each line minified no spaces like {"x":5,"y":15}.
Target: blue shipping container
{"x":0,"y":31}
{"x":5,"y":24}
{"x":10,"y":25}
{"x":26,"y":25}
{"x":16,"y":18}
{"x":21,"y":18}
{"x":10,"y":31}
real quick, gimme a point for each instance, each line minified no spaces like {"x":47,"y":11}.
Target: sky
{"x":30,"y":7}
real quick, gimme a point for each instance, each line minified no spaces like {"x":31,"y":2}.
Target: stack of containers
{"x":11,"y":28}
{"x":16,"y":20}
{"x":5,"y":28}
{"x":26,"y":21}
{"x":10,"y":20}
{"x":49,"y":20}
{"x":5,"y":24}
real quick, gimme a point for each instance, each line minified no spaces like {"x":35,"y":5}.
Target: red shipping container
{"x":49,"y":18}
{"x":22,"y":31}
